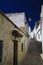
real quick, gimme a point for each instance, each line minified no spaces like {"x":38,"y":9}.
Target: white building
{"x":42,"y":26}
{"x":33,"y":32}
{"x":38,"y":31}
{"x":29,"y":32}
{"x":19,"y":19}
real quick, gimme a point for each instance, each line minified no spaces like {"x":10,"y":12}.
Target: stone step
{"x":35,"y":47}
{"x":33,"y":55}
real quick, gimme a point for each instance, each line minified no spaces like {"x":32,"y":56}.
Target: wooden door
{"x":15,"y":60}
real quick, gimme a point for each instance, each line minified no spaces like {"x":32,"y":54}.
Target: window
{"x":1,"y":50}
{"x":22,"y":47}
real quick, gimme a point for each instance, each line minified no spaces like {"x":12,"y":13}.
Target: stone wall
{"x":6,"y":35}
{"x":6,"y":29}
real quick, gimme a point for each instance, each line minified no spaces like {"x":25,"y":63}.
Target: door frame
{"x":15,"y":57}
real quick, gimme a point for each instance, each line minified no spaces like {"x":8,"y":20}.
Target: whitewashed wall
{"x":41,"y":15}
{"x":29,"y":32}
{"x":33,"y":32}
{"x":38,"y":33}
{"x":17,"y":18}
{"x":38,"y":36}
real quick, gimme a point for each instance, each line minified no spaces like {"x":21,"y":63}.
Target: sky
{"x":32,"y":8}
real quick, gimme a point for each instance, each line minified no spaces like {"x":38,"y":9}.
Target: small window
{"x":1,"y":50}
{"x":22,"y":47}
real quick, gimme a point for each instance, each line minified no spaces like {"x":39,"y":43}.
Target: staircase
{"x":35,"y":47}
{"x":33,"y":54}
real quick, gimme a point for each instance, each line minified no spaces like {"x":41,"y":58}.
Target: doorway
{"x":15,"y":59}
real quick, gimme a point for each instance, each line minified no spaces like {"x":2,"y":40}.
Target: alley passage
{"x":33,"y":55}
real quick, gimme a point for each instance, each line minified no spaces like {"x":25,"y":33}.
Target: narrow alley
{"x":33,"y":55}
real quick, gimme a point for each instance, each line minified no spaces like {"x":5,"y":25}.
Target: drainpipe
{"x":42,"y":25}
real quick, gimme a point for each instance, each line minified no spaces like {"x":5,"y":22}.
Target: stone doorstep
{"x":41,"y":56}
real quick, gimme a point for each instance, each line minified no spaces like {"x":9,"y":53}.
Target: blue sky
{"x":32,"y":8}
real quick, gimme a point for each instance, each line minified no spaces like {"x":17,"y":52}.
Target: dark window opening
{"x":1,"y":50}
{"x":22,"y":47}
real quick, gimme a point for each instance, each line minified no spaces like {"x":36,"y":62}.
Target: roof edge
{"x":11,"y":21}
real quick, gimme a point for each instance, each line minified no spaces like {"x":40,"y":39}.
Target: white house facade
{"x":42,"y":25}
{"x":38,"y":32}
